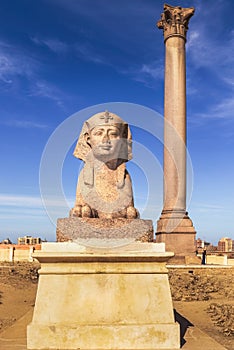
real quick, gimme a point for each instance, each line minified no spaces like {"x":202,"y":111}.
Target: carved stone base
{"x":91,"y":230}
{"x":177,"y":232}
{"x":117,"y":299}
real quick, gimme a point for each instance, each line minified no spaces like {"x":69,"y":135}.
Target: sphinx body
{"x":104,"y":188}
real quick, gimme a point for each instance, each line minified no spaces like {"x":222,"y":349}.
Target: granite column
{"x":174,"y":227}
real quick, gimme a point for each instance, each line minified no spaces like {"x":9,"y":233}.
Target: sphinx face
{"x":105,"y":142}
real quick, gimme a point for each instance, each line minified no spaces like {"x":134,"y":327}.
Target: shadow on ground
{"x":184,"y":325}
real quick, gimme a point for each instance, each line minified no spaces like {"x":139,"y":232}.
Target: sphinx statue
{"x":104,"y":188}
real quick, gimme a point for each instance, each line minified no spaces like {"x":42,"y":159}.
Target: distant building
{"x":225,"y":244}
{"x":29,"y":240}
{"x":6,"y":241}
{"x":200,"y":243}
{"x":211,"y":248}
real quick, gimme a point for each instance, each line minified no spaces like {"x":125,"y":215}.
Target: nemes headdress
{"x":104,"y":118}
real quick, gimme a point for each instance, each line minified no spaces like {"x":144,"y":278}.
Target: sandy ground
{"x":18,"y":286}
{"x":203,"y":297}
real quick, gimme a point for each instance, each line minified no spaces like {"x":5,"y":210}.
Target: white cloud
{"x":45,"y":89}
{"x":21,"y":211}
{"x":209,"y":51}
{"x":83,"y":50}
{"x":148,"y":73}
{"x":89,"y":53}
{"x":25,"y":201}
{"x":13,"y":62}
{"x":24,"y":124}
{"x":207,"y":208}
{"x":53,"y":44}
{"x":224,"y":109}
{"x":154,"y":70}
{"x":8,"y":200}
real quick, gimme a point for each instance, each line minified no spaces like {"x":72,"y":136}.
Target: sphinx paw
{"x":86,"y":211}
{"x":76,"y":212}
{"x":132,"y":213}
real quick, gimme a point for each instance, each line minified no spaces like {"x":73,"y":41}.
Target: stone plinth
{"x":177,"y":232}
{"x":103,"y":299}
{"x":73,"y":229}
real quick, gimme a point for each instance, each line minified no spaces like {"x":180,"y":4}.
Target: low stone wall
{"x":15,"y":252}
{"x":231,"y":262}
{"x":218,"y":260}
{"x":4,"y":254}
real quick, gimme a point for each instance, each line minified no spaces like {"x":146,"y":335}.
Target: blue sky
{"x":60,"y":57}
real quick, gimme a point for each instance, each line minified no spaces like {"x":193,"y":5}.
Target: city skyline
{"x":61,"y":60}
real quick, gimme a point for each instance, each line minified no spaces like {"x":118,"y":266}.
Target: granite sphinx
{"x":104,"y":188}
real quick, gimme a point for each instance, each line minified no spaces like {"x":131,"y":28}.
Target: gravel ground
{"x":205,"y":295}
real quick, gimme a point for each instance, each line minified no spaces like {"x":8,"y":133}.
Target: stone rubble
{"x":203,"y":285}
{"x":222,"y":316}
{"x":18,"y":272}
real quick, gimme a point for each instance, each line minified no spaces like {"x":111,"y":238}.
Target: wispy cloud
{"x":208,"y":207}
{"x":83,"y":50}
{"x":26,"y":201}
{"x":52,"y":44}
{"x":14,"y":62}
{"x":24,"y":124}
{"x":154,"y":70}
{"x":223,"y":110}
{"x":45,"y":89}
{"x":147,"y":73}
{"x":89,"y":53}
{"x":9,"y":200}
{"x":210,"y":52}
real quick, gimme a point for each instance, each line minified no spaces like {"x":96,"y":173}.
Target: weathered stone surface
{"x":174,"y":21}
{"x":73,"y":229}
{"x":178,"y":234}
{"x":104,"y":188}
{"x":103,"y":301}
{"x":174,"y":227}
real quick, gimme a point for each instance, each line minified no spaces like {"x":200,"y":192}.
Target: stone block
{"x":90,"y":230}
{"x":178,"y":234}
{"x":103,"y":300}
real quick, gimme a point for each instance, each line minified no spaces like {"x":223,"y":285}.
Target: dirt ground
{"x":205,"y":297}
{"x":18,"y":286}
{"x":201,"y":297}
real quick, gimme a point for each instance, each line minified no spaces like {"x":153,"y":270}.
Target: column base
{"x":176,"y":230}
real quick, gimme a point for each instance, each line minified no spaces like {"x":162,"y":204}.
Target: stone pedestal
{"x":103,"y":299}
{"x":94,"y":231}
{"x":177,"y":232}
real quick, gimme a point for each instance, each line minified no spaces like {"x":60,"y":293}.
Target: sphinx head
{"x":106,"y":136}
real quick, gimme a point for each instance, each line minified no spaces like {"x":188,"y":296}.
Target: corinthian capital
{"x":174,"y":21}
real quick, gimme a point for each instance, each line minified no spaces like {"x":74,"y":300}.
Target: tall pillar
{"x":174,"y":227}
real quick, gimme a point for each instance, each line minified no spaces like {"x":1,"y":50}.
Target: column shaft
{"x":175,"y":126}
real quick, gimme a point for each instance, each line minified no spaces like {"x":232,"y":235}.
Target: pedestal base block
{"x":178,"y":234}
{"x":80,"y":229}
{"x":147,"y":337}
{"x":103,"y":300}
